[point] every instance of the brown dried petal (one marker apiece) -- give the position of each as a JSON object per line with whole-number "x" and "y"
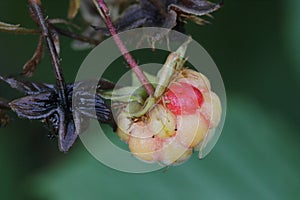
{"x": 31, "y": 65}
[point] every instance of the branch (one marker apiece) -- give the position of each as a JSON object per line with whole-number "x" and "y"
{"x": 75, "y": 36}
{"x": 12, "y": 28}
{"x": 104, "y": 11}
{"x": 38, "y": 16}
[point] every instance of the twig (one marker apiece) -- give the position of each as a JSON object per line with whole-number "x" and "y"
{"x": 75, "y": 36}
{"x": 38, "y": 16}
{"x": 12, "y": 28}
{"x": 104, "y": 11}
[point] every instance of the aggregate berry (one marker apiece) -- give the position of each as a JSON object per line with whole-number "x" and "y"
{"x": 178, "y": 122}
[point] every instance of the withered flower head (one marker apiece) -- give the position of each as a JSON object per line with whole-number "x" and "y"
{"x": 42, "y": 103}
{"x": 170, "y": 14}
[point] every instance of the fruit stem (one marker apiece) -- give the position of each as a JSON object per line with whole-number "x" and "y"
{"x": 104, "y": 11}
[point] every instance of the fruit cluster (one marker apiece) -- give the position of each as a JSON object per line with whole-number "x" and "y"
{"x": 177, "y": 124}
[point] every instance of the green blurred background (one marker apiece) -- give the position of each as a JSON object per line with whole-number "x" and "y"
{"x": 256, "y": 46}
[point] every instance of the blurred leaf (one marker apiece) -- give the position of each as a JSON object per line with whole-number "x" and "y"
{"x": 257, "y": 157}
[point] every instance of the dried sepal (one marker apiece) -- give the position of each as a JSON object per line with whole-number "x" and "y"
{"x": 38, "y": 106}
{"x": 16, "y": 28}
{"x": 31, "y": 65}
{"x": 26, "y": 87}
{"x": 67, "y": 133}
{"x": 42, "y": 103}
{"x": 90, "y": 105}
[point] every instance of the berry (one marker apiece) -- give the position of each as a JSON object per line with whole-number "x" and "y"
{"x": 191, "y": 129}
{"x": 162, "y": 122}
{"x": 183, "y": 98}
{"x": 211, "y": 109}
{"x": 173, "y": 152}
{"x": 145, "y": 148}
{"x": 194, "y": 78}
{"x": 176, "y": 125}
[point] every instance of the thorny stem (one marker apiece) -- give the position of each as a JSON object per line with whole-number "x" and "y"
{"x": 104, "y": 11}
{"x": 38, "y": 16}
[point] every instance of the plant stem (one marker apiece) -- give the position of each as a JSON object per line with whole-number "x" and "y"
{"x": 104, "y": 11}
{"x": 38, "y": 15}
{"x": 75, "y": 36}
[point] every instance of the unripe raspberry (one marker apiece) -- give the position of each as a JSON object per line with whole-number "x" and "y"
{"x": 194, "y": 78}
{"x": 191, "y": 129}
{"x": 211, "y": 109}
{"x": 124, "y": 126}
{"x": 162, "y": 122}
{"x": 182, "y": 98}
{"x": 145, "y": 149}
{"x": 124, "y": 121}
{"x": 178, "y": 121}
{"x": 173, "y": 152}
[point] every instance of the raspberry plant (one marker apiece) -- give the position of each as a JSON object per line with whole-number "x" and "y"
{"x": 166, "y": 126}
{"x": 174, "y": 122}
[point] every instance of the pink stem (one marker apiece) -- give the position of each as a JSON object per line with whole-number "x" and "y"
{"x": 129, "y": 59}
